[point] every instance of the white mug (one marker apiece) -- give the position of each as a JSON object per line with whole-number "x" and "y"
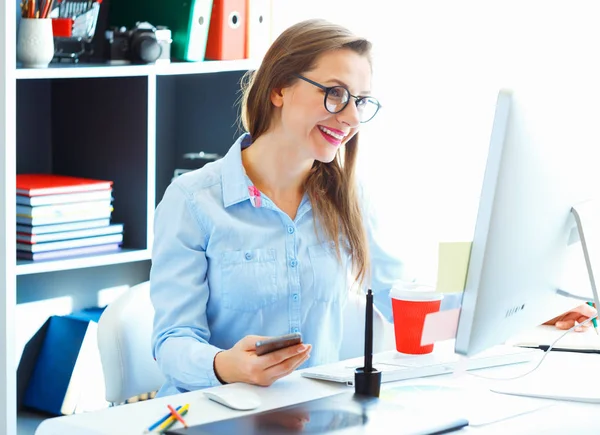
{"x": 35, "y": 42}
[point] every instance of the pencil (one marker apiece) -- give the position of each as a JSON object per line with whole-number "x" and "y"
{"x": 594, "y": 321}
{"x": 159, "y": 422}
{"x": 177, "y": 416}
{"x": 172, "y": 420}
{"x": 47, "y": 8}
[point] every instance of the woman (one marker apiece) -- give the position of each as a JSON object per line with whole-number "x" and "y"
{"x": 269, "y": 239}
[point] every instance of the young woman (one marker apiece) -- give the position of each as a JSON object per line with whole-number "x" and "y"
{"x": 270, "y": 239}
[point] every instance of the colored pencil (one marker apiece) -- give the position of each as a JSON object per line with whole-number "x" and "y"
{"x": 159, "y": 422}
{"x": 176, "y": 415}
{"x": 172, "y": 420}
{"x": 594, "y": 321}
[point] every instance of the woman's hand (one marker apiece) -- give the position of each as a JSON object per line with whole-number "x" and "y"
{"x": 578, "y": 314}
{"x": 241, "y": 364}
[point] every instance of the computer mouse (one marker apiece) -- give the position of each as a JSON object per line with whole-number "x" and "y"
{"x": 235, "y": 398}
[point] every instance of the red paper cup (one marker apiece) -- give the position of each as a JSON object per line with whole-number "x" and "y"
{"x": 410, "y": 306}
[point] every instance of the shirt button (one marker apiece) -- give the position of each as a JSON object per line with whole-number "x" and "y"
{"x": 295, "y": 296}
{"x": 293, "y": 263}
{"x": 291, "y": 230}
{"x": 296, "y": 330}
{"x": 248, "y": 256}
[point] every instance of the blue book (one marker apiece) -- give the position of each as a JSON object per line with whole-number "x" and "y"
{"x": 68, "y": 235}
{"x": 69, "y": 226}
{"x": 69, "y": 253}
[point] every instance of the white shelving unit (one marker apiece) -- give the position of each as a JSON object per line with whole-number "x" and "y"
{"x": 8, "y": 384}
{"x": 126, "y": 123}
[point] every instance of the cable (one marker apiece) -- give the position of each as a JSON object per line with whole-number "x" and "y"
{"x": 541, "y": 359}
{"x": 570, "y": 295}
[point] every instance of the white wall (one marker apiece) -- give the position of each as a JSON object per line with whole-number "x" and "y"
{"x": 437, "y": 68}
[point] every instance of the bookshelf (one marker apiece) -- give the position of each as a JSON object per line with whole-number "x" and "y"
{"x": 127, "y": 123}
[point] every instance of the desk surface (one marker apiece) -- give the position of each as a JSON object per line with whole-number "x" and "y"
{"x": 555, "y": 417}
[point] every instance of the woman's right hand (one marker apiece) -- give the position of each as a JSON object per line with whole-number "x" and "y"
{"x": 241, "y": 364}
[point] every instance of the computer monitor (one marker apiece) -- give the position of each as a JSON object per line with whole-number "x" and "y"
{"x": 541, "y": 162}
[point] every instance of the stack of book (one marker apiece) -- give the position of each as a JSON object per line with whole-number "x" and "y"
{"x": 61, "y": 216}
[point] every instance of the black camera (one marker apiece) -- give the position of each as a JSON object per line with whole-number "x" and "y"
{"x": 142, "y": 44}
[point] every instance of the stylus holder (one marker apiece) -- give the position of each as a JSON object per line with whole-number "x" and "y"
{"x": 367, "y": 383}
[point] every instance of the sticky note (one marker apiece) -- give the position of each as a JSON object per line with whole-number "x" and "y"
{"x": 453, "y": 262}
{"x": 439, "y": 326}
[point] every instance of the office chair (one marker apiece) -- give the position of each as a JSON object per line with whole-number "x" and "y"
{"x": 353, "y": 344}
{"x": 124, "y": 334}
{"x": 125, "y": 328}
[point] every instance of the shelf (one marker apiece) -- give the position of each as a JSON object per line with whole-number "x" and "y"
{"x": 209, "y": 66}
{"x": 70, "y": 71}
{"x": 26, "y": 267}
{"x": 28, "y": 421}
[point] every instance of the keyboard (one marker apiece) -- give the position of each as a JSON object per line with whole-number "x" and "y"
{"x": 395, "y": 366}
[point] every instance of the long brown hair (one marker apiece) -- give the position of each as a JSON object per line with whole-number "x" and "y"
{"x": 331, "y": 187}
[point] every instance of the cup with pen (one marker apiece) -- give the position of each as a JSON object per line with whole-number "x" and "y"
{"x": 35, "y": 42}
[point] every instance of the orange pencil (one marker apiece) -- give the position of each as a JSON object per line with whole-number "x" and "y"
{"x": 47, "y": 8}
{"x": 177, "y": 416}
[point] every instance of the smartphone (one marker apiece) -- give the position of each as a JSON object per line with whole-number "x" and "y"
{"x": 276, "y": 343}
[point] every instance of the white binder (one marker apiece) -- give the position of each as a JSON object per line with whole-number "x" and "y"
{"x": 258, "y": 28}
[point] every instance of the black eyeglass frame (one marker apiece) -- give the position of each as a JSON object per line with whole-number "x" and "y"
{"x": 328, "y": 89}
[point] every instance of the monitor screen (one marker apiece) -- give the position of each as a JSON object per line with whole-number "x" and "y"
{"x": 540, "y": 164}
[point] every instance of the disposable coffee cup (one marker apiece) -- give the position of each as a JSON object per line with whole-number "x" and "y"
{"x": 410, "y": 306}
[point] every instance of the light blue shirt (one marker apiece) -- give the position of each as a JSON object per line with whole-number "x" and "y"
{"x": 227, "y": 262}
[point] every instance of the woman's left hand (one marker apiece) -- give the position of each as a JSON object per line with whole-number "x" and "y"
{"x": 578, "y": 314}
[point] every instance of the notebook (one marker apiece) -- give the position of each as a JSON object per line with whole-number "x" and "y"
{"x": 545, "y": 335}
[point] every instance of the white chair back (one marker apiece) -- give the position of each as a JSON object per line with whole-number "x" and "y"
{"x": 124, "y": 341}
{"x": 353, "y": 339}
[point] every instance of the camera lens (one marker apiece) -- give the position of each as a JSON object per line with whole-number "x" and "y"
{"x": 145, "y": 48}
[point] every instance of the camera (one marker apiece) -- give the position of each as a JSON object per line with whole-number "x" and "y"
{"x": 144, "y": 43}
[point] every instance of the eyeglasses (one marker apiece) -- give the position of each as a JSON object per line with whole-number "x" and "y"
{"x": 337, "y": 98}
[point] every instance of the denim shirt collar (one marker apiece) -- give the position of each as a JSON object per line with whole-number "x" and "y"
{"x": 233, "y": 177}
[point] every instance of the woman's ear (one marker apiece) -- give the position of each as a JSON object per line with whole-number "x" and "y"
{"x": 277, "y": 97}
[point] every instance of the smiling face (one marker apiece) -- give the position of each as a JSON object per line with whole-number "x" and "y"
{"x": 305, "y": 122}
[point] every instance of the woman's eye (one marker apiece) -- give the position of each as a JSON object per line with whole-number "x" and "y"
{"x": 335, "y": 93}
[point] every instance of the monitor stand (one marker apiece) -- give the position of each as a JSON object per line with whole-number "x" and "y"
{"x": 550, "y": 386}
{"x": 587, "y": 217}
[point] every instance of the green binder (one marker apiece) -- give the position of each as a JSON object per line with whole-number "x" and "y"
{"x": 188, "y": 21}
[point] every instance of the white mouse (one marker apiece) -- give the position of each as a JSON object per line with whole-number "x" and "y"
{"x": 234, "y": 398}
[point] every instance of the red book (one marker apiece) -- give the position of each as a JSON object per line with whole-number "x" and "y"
{"x": 50, "y": 184}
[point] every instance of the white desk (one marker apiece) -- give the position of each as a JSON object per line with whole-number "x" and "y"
{"x": 559, "y": 418}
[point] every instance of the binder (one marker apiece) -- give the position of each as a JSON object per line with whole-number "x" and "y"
{"x": 227, "y": 32}
{"x": 65, "y": 373}
{"x": 258, "y": 28}
{"x": 194, "y": 42}
{"x": 188, "y": 20}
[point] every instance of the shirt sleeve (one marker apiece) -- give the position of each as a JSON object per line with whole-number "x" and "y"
{"x": 386, "y": 266}
{"x": 179, "y": 292}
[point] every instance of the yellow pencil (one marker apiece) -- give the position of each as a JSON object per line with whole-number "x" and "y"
{"x": 172, "y": 420}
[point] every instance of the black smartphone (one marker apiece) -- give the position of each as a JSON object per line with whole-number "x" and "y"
{"x": 276, "y": 343}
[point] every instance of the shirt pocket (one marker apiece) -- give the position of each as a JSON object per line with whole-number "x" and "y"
{"x": 249, "y": 279}
{"x": 328, "y": 273}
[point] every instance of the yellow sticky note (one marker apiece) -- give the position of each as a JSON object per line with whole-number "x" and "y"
{"x": 453, "y": 262}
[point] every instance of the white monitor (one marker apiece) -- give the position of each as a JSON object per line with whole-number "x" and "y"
{"x": 541, "y": 162}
